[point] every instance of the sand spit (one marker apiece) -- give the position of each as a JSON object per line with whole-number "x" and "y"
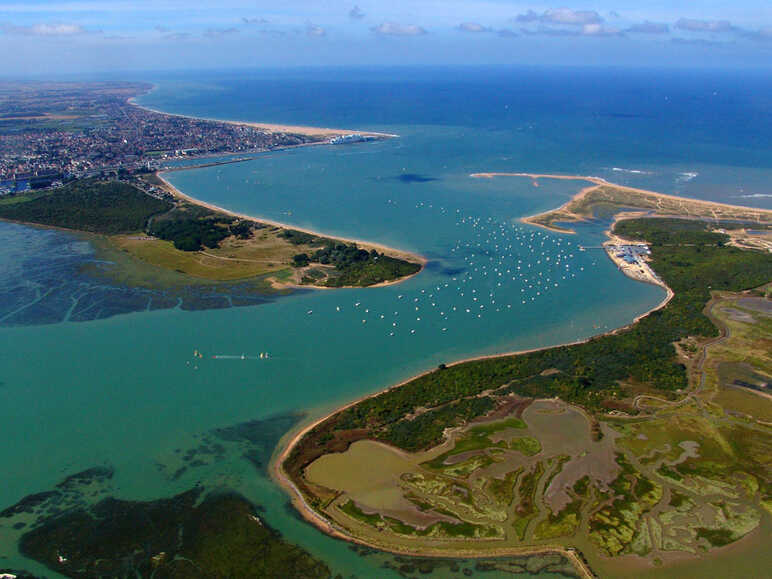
{"x": 650, "y": 203}
{"x": 397, "y": 253}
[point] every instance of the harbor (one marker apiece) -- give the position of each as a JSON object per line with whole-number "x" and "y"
{"x": 632, "y": 259}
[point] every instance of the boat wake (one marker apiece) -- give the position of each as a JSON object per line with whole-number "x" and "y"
{"x": 262, "y": 356}
{"x": 630, "y": 171}
{"x": 685, "y": 177}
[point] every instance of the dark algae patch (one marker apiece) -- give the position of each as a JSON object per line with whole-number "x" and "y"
{"x": 68, "y": 493}
{"x": 414, "y": 178}
{"x": 79, "y": 530}
{"x": 253, "y": 440}
{"x": 259, "y": 437}
{"x": 28, "y": 504}
{"x": 220, "y": 536}
{"x": 94, "y": 474}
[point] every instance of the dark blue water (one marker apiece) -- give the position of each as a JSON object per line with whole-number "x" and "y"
{"x": 120, "y": 389}
{"x": 574, "y": 119}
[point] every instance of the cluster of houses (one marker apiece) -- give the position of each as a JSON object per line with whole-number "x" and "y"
{"x": 632, "y": 254}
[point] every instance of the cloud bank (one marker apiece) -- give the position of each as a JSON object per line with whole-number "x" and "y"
{"x": 396, "y": 29}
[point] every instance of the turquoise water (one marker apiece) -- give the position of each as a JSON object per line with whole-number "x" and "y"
{"x": 125, "y": 390}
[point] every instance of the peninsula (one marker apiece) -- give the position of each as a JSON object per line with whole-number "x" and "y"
{"x": 627, "y": 452}
{"x": 613, "y": 198}
{"x": 84, "y": 157}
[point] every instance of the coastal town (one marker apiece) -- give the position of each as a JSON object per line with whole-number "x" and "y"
{"x": 57, "y": 132}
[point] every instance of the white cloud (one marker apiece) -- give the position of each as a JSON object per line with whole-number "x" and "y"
{"x": 472, "y": 27}
{"x": 315, "y": 31}
{"x": 55, "y": 29}
{"x": 565, "y": 22}
{"x": 599, "y": 30}
{"x": 589, "y": 30}
{"x": 562, "y": 16}
{"x": 395, "y": 29}
{"x": 572, "y": 17}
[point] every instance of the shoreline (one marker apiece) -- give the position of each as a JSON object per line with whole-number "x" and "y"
{"x": 304, "y": 130}
{"x": 301, "y": 130}
{"x": 532, "y": 219}
{"x": 598, "y": 182}
{"x": 389, "y": 251}
{"x": 311, "y": 516}
{"x": 280, "y": 476}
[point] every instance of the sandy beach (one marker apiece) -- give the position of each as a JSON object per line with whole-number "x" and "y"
{"x": 274, "y": 127}
{"x": 707, "y": 209}
{"x": 326, "y": 133}
{"x": 398, "y": 253}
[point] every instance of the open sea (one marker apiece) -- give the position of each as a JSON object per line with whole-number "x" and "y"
{"x": 92, "y": 374}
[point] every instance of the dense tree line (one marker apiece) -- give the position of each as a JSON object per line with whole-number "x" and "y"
{"x": 113, "y": 207}
{"x": 299, "y": 237}
{"x": 690, "y": 258}
{"x": 355, "y": 266}
{"x": 93, "y": 205}
{"x": 194, "y": 228}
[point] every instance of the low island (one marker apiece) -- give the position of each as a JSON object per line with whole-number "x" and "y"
{"x": 642, "y": 449}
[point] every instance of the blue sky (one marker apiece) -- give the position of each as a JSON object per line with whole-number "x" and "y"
{"x": 44, "y": 37}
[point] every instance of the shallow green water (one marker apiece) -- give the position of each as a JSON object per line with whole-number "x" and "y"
{"x": 126, "y": 391}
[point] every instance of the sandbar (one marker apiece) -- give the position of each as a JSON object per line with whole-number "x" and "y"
{"x": 652, "y": 203}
